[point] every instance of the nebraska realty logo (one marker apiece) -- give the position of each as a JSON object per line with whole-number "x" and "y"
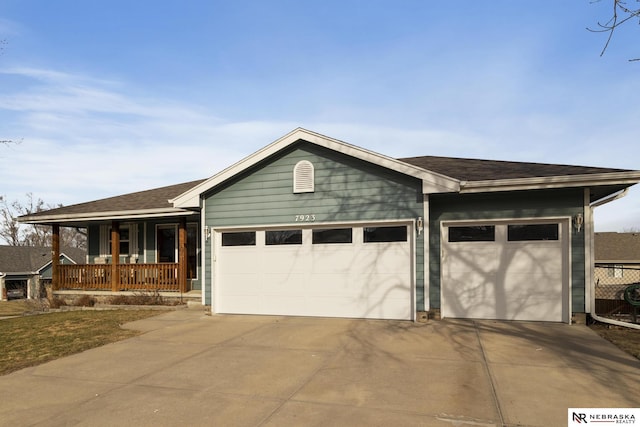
{"x": 602, "y": 416}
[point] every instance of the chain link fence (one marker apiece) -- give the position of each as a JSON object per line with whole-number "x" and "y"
{"x": 611, "y": 281}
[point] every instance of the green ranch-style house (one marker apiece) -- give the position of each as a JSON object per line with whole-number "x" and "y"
{"x": 313, "y": 226}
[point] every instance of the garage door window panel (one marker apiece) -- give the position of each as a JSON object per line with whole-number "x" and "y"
{"x": 385, "y": 234}
{"x": 332, "y": 235}
{"x": 239, "y": 238}
{"x": 532, "y": 232}
{"x": 474, "y": 233}
{"x": 283, "y": 237}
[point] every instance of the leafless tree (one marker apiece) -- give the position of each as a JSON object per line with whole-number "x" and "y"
{"x": 17, "y": 234}
{"x": 621, "y": 14}
{"x": 10, "y": 227}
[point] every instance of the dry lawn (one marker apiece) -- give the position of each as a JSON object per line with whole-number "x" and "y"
{"x": 32, "y": 340}
{"x": 626, "y": 339}
{"x": 18, "y": 307}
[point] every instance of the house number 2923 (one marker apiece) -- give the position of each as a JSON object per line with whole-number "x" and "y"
{"x": 305, "y": 218}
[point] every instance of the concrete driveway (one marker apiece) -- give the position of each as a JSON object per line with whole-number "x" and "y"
{"x": 192, "y": 369}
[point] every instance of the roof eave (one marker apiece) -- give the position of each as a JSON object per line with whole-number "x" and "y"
{"x": 20, "y": 273}
{"x": 563, "y": 181}
{"x": 103, "y": 216}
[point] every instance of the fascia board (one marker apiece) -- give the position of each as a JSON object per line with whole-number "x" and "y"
{"x": 631, "y": 178}
{"x": 618, "y": 261}
{"x": 432, "y": 182}
{"x": 51, "y": 262}
{"x": 44, "y": 266}
{"x": 20, "y": 273}
{"x": 100, "y": 216}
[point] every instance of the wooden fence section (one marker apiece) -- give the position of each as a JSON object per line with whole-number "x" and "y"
{"x": 132, "y": 277}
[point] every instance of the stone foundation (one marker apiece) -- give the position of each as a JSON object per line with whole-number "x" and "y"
{"x": 108, "y": 297}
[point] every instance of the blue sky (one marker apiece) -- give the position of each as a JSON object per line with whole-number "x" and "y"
{"x": 120, "y": 96}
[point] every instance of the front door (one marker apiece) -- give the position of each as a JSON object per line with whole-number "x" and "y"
{"x": 167, "y": 243}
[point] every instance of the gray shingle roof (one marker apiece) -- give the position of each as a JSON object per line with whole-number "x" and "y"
{"x": 156, "y": 198}
{"x": 457, "y": 168}
{"x": 481, "y": 170}
{"x": 14, "y": 259}
{"x": 617, "y": 247}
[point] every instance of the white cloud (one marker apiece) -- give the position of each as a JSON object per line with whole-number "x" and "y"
{"x": 86, "y": 138}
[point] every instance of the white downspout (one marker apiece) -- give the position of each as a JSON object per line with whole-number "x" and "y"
{"x": 590, "y": 209}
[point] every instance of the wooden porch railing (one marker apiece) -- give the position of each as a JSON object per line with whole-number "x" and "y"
{"x": 132, "y": 277}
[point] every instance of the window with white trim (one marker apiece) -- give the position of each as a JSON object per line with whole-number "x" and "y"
{"x": 303, "y": 177}
{"x": 128, "y": 240}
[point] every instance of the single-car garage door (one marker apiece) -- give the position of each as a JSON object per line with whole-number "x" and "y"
{"x": 509, "y": 271}
{"x": 346, "y": 271}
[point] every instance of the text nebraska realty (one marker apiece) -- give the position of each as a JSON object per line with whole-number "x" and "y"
{"x": 603, "y": 418}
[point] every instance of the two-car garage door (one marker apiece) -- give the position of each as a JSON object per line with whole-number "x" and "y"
{"x": 490, "y": 270}
{"x": 347, "y": 271}
{"x": 510, "y": 271}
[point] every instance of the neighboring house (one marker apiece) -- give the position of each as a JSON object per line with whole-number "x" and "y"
{"x": 617, "y": 258}
{"x": 313, "y": 226}
{"x": 25, "y": 269}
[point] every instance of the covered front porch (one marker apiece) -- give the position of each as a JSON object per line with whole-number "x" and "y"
{"x": 111, "y": 274}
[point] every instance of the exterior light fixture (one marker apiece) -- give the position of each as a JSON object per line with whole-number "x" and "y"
{"x": 419, "y": 225}
{"x": 577, "y": 222}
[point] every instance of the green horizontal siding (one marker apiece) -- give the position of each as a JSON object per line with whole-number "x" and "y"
{"x": 494, "y": 206}
{"x": 346, "y": 190}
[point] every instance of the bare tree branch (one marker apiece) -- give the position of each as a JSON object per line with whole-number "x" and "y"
{"x": 10, "y": 141}
{"x": 17, "y": 234}
{"x": 620, "y": 15}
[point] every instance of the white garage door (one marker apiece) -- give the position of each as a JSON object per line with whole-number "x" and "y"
{"x": 506, "y": 271}
{"x": 347, "y": 271}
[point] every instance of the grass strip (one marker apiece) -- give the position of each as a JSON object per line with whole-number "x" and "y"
{"x": 32, "y": 340}
{"x": 18, "y": 307}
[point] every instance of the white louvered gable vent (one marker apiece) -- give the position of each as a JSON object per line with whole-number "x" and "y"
{"x": 303, "y": 177}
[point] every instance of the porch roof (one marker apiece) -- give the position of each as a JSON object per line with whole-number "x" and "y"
{"x": 148, "y": 203}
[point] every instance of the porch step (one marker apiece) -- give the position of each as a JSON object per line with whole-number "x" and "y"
{"x": 194, "y": 300}
{"x": 195, "y": 304}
